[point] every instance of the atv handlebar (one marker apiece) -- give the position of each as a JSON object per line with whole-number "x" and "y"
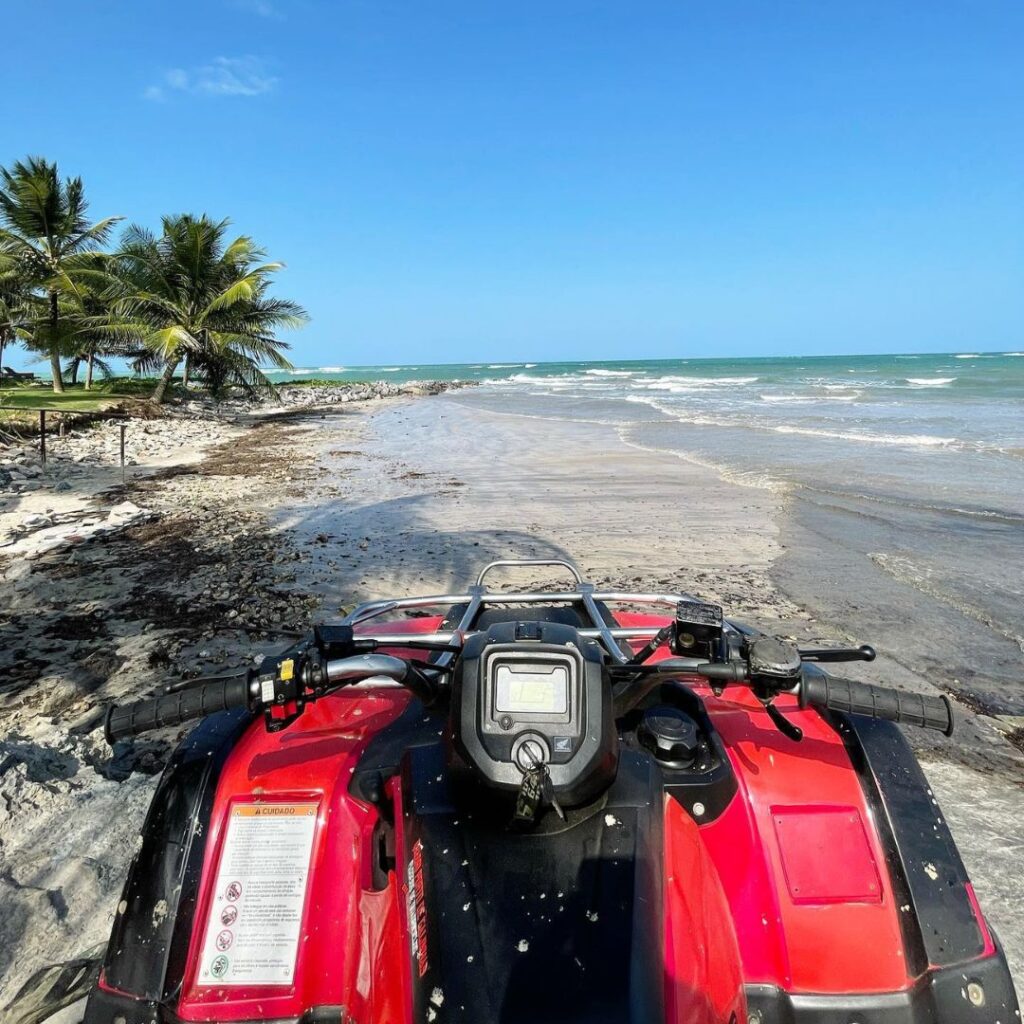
{"x": 174, "y": 708}
{"x": 244, "y": 691}
{"x": 831, "y": 692}
{"x": 877, "y": 702}
{"x": 262, "y": 693}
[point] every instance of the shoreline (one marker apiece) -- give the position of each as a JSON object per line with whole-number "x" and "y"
{"x": 260, "y": 528}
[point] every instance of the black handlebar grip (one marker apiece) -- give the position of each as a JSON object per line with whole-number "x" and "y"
{"x": 175, "y": 708}
{"x": 877, "y": 702}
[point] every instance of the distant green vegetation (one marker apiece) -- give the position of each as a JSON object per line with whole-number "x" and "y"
{"x": 188, "y": 298}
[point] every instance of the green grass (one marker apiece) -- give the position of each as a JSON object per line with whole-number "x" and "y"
{"x": 70, "y": 401}
{"x": 21, "y": 401}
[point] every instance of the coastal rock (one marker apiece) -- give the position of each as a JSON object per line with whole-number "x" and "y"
{"x": 342, "y": 392}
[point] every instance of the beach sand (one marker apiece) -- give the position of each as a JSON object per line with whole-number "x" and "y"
{"x": 296, "y": 519}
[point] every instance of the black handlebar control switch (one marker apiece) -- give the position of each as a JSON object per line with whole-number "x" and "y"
{"x": 670, "y": 735}
{"x": 773, "y": 659}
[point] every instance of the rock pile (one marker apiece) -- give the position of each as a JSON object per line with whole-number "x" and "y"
{"x": 340, "y": 393}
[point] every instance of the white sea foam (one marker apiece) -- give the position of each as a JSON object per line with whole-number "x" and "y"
{"x": 331, "y": 369}
{"x": 673, "y": 382}
{"x": 503, "y": 366}
{"x": 392, "y": 369}
{"x": 968, "y": 355}
{"x": 810, "y": 399}
{"x": 911, "y": 440}
{"x": 930, "y": 382}
{"x": 529, "y": 366}
{"x": 745, "y": 478}
{"x": 745, "y": 423}
{"x": 610, "y": 373}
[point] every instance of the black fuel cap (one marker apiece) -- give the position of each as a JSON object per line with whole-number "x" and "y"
{"x": 671, "y": 735}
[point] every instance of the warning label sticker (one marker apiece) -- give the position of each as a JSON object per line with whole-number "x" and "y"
{"x": 252, "y": 933}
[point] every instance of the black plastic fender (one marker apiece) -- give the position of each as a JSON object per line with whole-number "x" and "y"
{"x": 149, "y": 941}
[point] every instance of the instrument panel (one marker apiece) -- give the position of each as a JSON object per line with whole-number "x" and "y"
{"x": 524, "y": 696}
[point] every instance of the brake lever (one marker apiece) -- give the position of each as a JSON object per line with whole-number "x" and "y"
{"x": 180, "y": 685}
{"x": 825, "y": 654}
{"x": 782, "y": 723}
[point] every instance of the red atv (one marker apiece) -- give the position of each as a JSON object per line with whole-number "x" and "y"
{"x": 546, "y": 807}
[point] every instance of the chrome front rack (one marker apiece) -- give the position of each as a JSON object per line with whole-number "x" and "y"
{"x": 477, "y": 597}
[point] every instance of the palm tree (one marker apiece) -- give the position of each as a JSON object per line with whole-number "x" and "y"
{"x": 189, "y": 294}
{"x": 43, "y": 226}
{"x": 14, "y": 307}
{"x": 90, "y": 342}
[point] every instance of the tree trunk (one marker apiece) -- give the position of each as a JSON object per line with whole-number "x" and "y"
{"x": 55, "y": 372}
{"x": 188, "y": 371}
{"x": 58, "y": 383}
{"x": 88, "y": 372}
{"x": 73, "y": 370}
{"x": 166, "y": 377}
{"x": 3, "y": 345}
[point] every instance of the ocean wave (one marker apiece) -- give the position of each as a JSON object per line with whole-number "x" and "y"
{"x": 757, "y": 479}
{"x": 675, "y": 389}
{"x": 331, "y": 369}
{"x": 893, "y": 384}
{"x": 529, "y": 366}
{"x": 968, "y": 355}
{"x": 1013, "y": 353}
{"x": 810, "y": 399}
{"x": 863, "y": 437}
{"x": 393, "y": 369}
{"x": 503, "y": 366}
{"x": 671, "y": 382}
{"x": 743, "y": 423}
{"x": 609, "y": 373}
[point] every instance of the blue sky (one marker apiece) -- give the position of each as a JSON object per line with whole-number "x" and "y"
{"x": 475, "y": 180}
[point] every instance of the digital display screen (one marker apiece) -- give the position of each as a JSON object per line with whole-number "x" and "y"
{"x": 531, "y": 689}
